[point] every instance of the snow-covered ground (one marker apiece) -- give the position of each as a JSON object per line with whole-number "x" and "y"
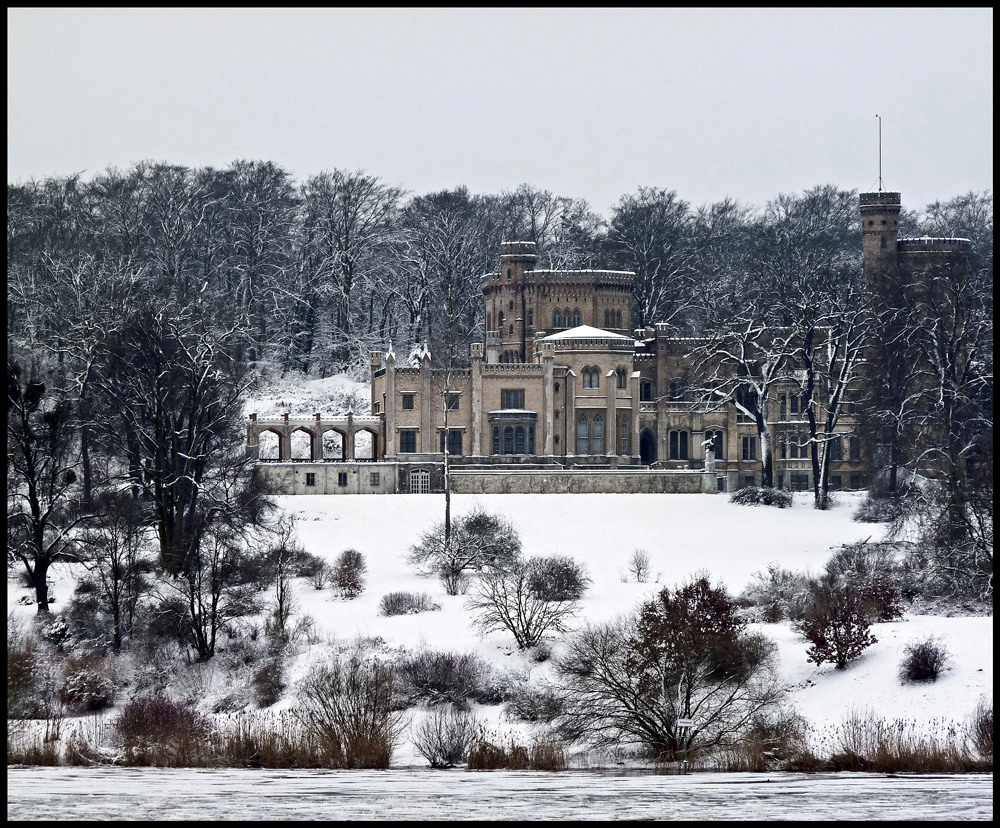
{"x": 683, "y": 535}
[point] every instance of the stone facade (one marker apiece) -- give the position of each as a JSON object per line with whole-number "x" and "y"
{"x": 561, "y": 397}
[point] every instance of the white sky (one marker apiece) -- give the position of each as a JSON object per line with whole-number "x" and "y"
{"x": 588, "y": 103}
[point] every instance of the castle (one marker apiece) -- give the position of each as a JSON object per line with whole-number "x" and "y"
{"x": 563, "y": 396}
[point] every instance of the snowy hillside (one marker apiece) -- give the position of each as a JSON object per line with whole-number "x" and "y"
{"x": 683, "y": 534}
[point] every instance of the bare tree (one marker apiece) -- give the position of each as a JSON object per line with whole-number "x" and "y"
{"x": 504, "y": 599}
{"x": 638, "y": 565}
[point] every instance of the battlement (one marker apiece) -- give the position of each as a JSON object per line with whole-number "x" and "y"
{"x": 517, "y": 248}
{"x": 880, "y": 200}
{"x": 927, "y": 244}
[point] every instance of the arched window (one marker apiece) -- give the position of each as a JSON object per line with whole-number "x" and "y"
{"x": 582, "y": 435}
{"x": 621, "y": 378}
{"x": 623, "y": 435}
{"x": 597, "y": 438}
{"x": 567, "y": 318}
{"x": 557, "y": 319}
{"x": 678, "y": 445}
{"x": 676, "y": 389}
{"x": 531, "y": 318}
{"x": 501, "y": 321}
{"x": 511, "y": 306}
{"x": 607, "y": 319}
{"x": 645, "y": 391}
{"x": 531, "y": 439}
{"x": 576, "y": 318}
{"x": 591, "y": 378}
{"x": 519, "y": 440}
{"x": 496, "y": 439}
{"x": 618, "y": 319}
{"x": 508, "y": 440}
{"x": 508, "y": 273}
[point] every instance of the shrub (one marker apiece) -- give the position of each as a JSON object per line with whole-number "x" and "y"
{"x": 981, "y": 727}
{"x": 769, "y": 743}
{"x": 779, "y": 593}
{"x": 311, "y": 567}
{"x": 346, "y": 705}
{"x": 872, "y": 569}
{"x": 874, "y": 509}
{"x": 477, "y": 540}
{"x": 836, "y": 622}
{"x": 406, "y": 603}
{"x": 269, "y": 682}
{"x": 156, "y": 730}
{"x": 87, "y": 690}
{"x": 489, "y": 752}
{"x": 533, "y": 704}
{"x": 435, "y": 677}
{"x": 444, "y": 736}
{"x": 923, "y": 660}
{"x": 348, "y": 575}
{"x": 763, "y": 496}
{"x": 558, "y": 578}
{"x": 28, "y": 681}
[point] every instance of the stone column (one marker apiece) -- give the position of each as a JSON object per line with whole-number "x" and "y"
{"x": 477, "y": 398}
{"x": 426, "y": 407}
{"x": 316, "y": 442}
{"x": 570, "y": 412}
{"x": 285, "y": 441}
{"x": 634, "y": 441}
{"x": 611, "y": 429}
{"x": 548, "y": 400}
{"x": 349, "y": 443}
{"x": 662, "y": 452}
{"x": 390, "y": 405}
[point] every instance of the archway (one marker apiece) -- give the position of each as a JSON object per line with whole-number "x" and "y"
{"x": 333, "y": 445}
{"x": 301, "y": 441}
{"x": 647, "y": 447}
{"x": 364, "y": 445}
{"x": 268, "y": 445}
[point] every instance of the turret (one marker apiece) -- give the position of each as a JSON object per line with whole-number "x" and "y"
{"x": 879, "y": 233}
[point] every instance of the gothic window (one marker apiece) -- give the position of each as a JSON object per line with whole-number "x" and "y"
{"x": 582, "y": 435}
{"x": 531, "y": 318}
{"x": 531, "y": 439}
{"x": 678, "y": 445}
{"x": 645, "y": 391}
{"x": 576, "y": 318}
{"x": 591, "y": 378}
{"x": 676, "y": 389}
{"x": 623, "y": 434}
{"x": 783, "y": 406}
{"x": 519, "y": 440}
{"x": 607, "y": 319}
{"x": 508, "y": 440}
{"x": 597, "y": 438}
{"x": 621, "y": 378}
{"x": 496, "y": 439}
{"x": 557, "y": 319}
{"x": 567, "y": 318}
{"x": 618, "y": 319}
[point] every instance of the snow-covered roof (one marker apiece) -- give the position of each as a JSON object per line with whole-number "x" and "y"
{"x": 584, "y": 332}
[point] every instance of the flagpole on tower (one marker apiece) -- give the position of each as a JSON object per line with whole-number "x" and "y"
{"x": 879, "y": 151}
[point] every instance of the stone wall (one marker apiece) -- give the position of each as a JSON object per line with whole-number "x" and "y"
{"x": 292, "y": 478}
{"x": 637, "y": 481}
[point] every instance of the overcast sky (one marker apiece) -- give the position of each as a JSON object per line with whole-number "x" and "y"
{"x": 586, "y": 103}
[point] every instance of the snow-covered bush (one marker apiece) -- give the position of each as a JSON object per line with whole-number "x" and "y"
{"x": 156, "y": 730}
{"x": 406, "y": 603}
{"x": 88, "y": 684}
{"x": 558, "y": 578}
{"x": 981, "y": 727}
{"x": 871, "y": 568}
{"x": 923, "y": 660}
{"x": 761, "y": 495}
{"x": 443, "y": 737}
{"x": 533, "y": 704}
{"x": 779, "y": 594}
{"x": 434, "y": 677}
{"x": 348, "y": 573}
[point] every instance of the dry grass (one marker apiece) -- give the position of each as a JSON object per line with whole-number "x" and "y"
{"x": 490, "y": 752}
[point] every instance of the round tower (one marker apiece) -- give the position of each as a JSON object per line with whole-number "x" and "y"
{"x": 879, "y": 234}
